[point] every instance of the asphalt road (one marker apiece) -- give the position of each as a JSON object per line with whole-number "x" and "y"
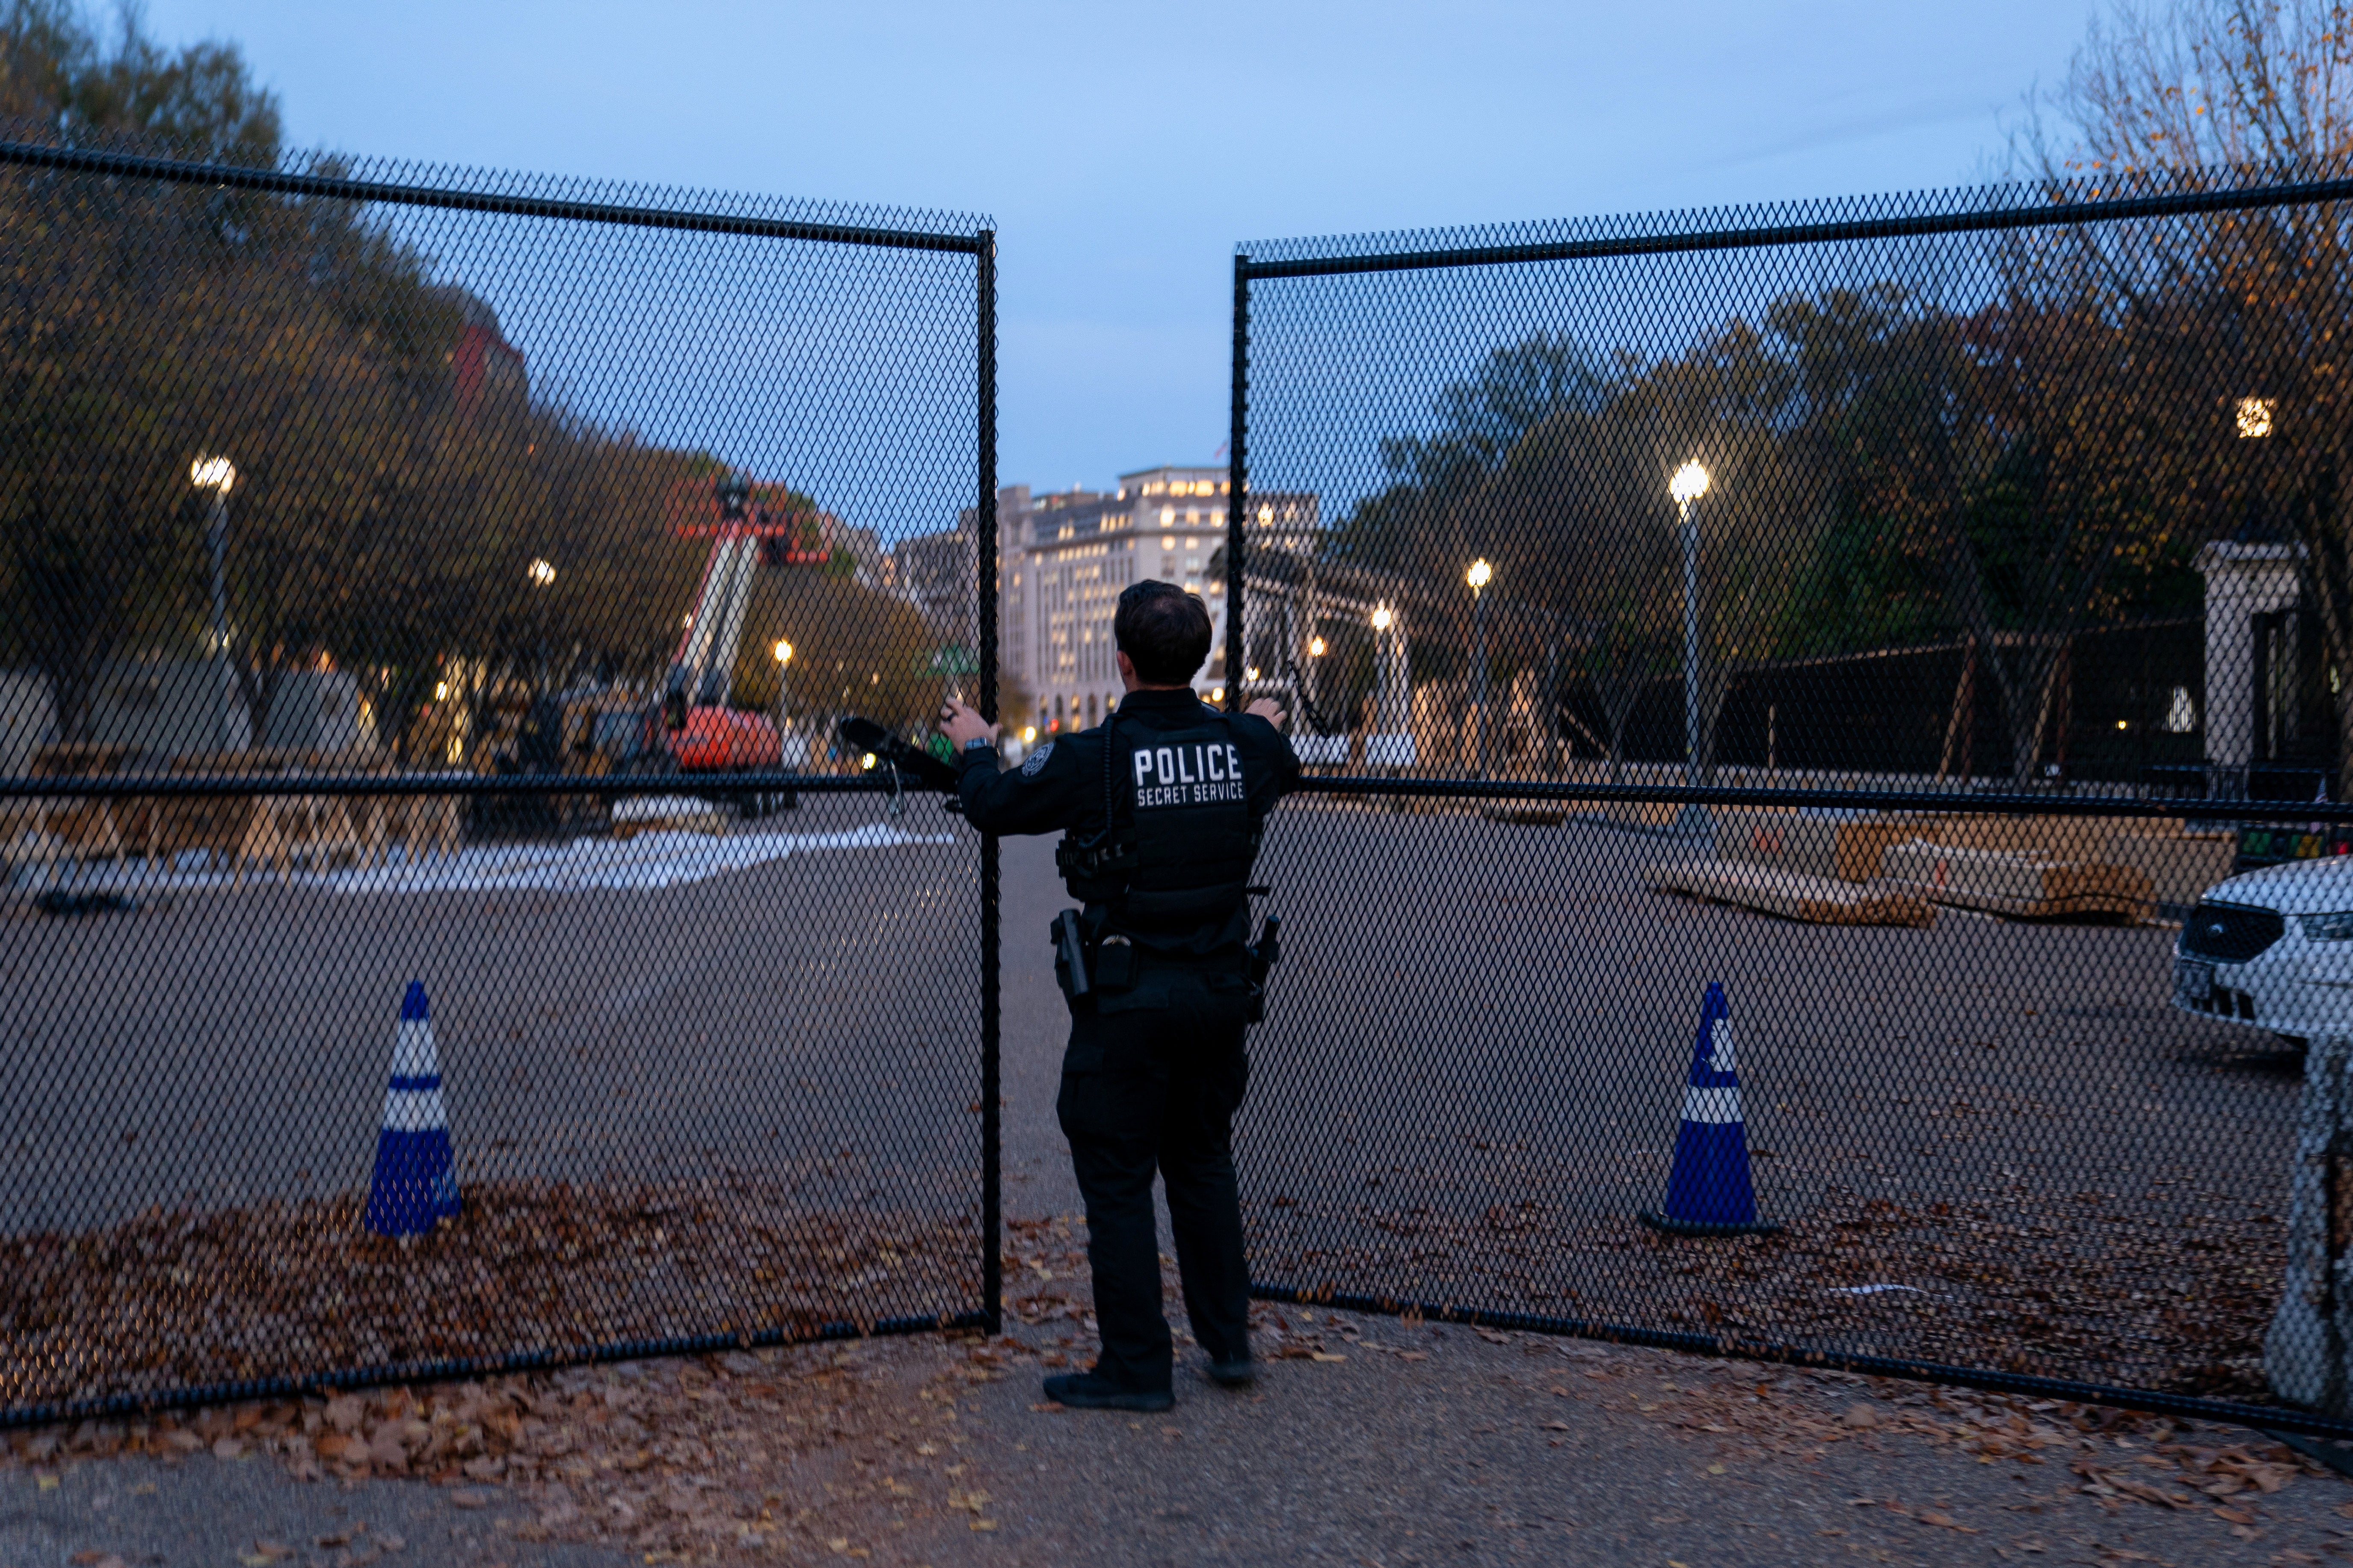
{"x": 216, "y": 1048}
{"x": 1480, "y": 1030}
{"x": 1451, "y": 982}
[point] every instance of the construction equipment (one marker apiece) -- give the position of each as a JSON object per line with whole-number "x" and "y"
{"x": 705, "y": 735}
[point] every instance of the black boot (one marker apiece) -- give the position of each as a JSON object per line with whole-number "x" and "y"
{"x": 1239, "y": 1372}
{"x": 1085, "y": 1391}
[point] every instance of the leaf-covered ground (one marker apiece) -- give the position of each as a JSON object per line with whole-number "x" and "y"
{"x": 1375, "y": 1439}
{"x": 282, "y": 1290}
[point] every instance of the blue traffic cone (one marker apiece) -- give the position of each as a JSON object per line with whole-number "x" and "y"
{"x": 415, "y": 1184}
{"x": 1709, "y": 1192}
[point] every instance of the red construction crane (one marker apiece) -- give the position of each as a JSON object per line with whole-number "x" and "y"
{"x": 705, "y": 735}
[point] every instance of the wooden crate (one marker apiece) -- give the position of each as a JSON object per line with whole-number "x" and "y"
{"x": 1821, "y": 901}
{"x": 2021, "y": 884}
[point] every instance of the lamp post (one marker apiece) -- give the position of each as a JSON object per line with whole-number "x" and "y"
{"x": 1690, "y": 483}
{"x": 542, "y": 574}
{"x": 784, "y": 652}
{"x": 217, "y": 474}
{"x": 1478, "y": 576}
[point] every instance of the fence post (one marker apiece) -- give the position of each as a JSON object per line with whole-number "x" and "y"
{"x": 1236, "y": 476}
{"x": 2305, "y": 1354}
{"x": 992, "y": 1261}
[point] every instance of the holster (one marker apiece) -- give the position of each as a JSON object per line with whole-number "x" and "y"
{"x": 1264, "y": 955}
{"x": 1088, "y": 963}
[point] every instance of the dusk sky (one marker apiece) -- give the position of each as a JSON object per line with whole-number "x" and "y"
{"x": 1123, "y": 150}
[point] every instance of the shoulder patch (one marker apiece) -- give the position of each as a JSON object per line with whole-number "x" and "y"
{"x": 1036, "y": 761}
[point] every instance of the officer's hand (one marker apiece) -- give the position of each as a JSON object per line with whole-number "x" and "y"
{"x": 1265, "y": 708}
{"x": 963, "y": 725}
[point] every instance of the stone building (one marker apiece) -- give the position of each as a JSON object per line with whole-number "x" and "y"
{"x": 1065, "y": 556}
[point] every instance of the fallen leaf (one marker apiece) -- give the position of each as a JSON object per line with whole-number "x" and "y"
{"x": 984, "y": 1524}
{"x": 1943, "y": 1521}
{"x": 229, "y": 1449}
{"x": 839, "y": 1544}
{"x": 2238, "y": 1516}
{"x": 1050, "y": 1406}
{"x": 468, "y": 1498}
{"x": 1557, "y": 1426}
{"x": 1716, "y": 1469}
{"x": 48, "y": 1483}
{"x": 1319, "y": 1355}
{"x": 1413, "y": 1355}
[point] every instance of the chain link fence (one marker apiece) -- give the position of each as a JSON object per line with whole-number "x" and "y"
{"x": 445, "y": 930}
{"x": 1874, "y": 632}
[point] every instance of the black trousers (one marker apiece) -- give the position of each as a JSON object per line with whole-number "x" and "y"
{"x": 1155, "y": 1088}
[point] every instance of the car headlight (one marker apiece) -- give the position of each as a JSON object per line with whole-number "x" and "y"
{"x": 2328, "y": 928}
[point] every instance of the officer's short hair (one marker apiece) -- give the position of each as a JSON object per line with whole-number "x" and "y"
{"x": 1164, "y": 631}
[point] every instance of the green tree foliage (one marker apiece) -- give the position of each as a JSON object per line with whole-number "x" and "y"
{"x": 1885, "y": 470}
{"x": 394, "y": 484}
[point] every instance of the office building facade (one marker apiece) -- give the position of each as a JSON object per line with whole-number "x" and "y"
{"x": 1064, "y": 557}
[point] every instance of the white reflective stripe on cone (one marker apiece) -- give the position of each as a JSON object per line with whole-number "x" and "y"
{"x": 1712, "y": 1105}
{"x": 412, "y": 1050}
{"x": 414, "y": 1111}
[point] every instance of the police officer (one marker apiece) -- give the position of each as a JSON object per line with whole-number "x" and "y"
{"x": 1160, "y": 810}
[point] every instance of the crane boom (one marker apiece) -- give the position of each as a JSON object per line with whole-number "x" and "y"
{"x": 705, "y": 735}
{"x": 704, "y": 668}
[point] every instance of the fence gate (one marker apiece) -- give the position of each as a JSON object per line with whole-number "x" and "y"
{"x": 430, "y": 602}
{"x": 1493, "y": 490}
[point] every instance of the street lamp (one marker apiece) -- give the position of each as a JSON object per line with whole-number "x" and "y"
{"x": 217, "y": 474}
{"x": 784, "y": 652}
{"x": 1690, "y": 483}
{"x": 542, "y": 574}
{"x": 2255, "y": 416}
{"x": 1315, "y": 647}
{"x": 1478, "y": 576}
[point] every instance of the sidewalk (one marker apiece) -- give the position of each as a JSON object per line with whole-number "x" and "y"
{"x": 1369, "y": 1441}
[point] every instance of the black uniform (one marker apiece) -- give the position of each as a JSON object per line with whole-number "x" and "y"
{"x": 1156, "y": 1067}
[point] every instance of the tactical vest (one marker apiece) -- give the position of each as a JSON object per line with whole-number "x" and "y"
{"x": 1176, "y": 852}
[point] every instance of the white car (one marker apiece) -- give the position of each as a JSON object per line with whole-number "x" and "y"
{"x": 2273, "y": 949}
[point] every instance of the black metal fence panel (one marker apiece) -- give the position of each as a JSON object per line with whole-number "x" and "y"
{"x": 445, "y": 927}
{"x": 1797, "y": 703}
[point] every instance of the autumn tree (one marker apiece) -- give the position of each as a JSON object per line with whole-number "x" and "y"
{"x": 2179, "y": 94}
